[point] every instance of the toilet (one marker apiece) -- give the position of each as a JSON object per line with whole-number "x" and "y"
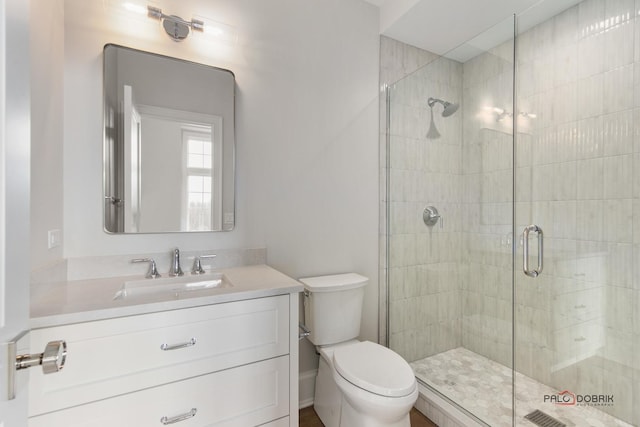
{"x": 359, "y": 383}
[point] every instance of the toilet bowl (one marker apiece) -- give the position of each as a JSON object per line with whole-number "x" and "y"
{"x": 378, "y": 387}
{"x": 359, "y": 384}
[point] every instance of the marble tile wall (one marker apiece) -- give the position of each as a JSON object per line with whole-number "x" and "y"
{"x": 423, "y": 261}
{"x": 577, "y": 172}
{"x": 93, "y": 267}
{"x": 397, "y": 60}
{"x": 487, "y": 195}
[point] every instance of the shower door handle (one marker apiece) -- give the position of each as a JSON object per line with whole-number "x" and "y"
{"x": 525, "y": 251}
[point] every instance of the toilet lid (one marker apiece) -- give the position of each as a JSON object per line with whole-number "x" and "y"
{"x": 375, "y": 368}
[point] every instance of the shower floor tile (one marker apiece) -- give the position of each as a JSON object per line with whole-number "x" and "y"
{"x": 483, "y": 387}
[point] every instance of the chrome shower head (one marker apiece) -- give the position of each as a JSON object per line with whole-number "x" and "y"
{"x": 449, "y": 108}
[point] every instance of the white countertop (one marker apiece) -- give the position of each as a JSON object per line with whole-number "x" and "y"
{"x": 88, "y": 300}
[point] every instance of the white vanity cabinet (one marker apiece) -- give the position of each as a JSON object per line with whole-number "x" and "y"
{"x": 228, "y": 364}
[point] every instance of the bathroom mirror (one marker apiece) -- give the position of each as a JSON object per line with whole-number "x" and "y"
{"x": 169, "y": 144}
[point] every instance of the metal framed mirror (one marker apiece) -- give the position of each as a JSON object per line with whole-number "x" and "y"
{"x": 169, "y": 144}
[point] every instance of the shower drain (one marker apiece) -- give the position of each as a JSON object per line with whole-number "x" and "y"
{"x": 543, "y": 420}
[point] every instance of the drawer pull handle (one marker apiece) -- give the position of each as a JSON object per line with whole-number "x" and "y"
{"x": 167, "y": 347}
{"x": 178, "y": 418}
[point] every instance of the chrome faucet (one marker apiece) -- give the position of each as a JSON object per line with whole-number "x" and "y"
{"x": 197, "y": 264}
{"x": 153, "y": 269}
{"x": 175, "y": 269}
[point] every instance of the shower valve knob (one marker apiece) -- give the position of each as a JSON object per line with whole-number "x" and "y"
{"x": 430, "y": 216}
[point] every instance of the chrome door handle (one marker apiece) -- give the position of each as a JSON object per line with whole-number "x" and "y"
{"x": 525, "y": 251}
{"x": 52, "y": 359}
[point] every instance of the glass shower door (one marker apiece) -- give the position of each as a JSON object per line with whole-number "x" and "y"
{"x": 576, "y": 323}
{"x": 450, "y": 222}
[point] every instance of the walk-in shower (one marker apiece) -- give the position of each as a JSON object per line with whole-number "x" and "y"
{"x": 544, "y": 138}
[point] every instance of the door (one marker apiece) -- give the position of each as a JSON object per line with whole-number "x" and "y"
{"x": 576, "y": 322}
{"x": 132, "y": 162}
{"x": 14, "y": 197}
{"x": 450, "y": 222}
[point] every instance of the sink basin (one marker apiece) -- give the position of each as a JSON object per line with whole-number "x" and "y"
{"x": 176, "y": 286}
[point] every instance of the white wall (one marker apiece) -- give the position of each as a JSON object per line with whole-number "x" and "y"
{"x": 307, "y": 150}
{"x": 88, "y": 27}
{"x": 317, "y": 169}
{"x": 47, "y": 50}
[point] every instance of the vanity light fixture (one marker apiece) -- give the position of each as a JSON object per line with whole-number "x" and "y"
{"x": 177, "y": 28}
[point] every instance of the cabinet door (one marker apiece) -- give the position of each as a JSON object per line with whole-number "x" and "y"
{"x": 249, "y": 395}
{"x": 123, "y": 355}
{"x": 282, "y": 422}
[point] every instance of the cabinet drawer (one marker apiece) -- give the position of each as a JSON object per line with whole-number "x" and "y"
{"x": 246, "y": 396}
{"x": 122, "y": 355}
{"x": 282, "y": 422}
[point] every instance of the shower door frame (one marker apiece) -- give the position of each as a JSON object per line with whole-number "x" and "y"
{"x": 517, "y": 275}
{"x": 385, "y": 318}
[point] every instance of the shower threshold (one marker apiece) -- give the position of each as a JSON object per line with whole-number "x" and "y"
{"x": 483, "y": 387}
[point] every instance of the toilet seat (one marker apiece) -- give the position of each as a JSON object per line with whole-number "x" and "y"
{"x": 374, "y": 368}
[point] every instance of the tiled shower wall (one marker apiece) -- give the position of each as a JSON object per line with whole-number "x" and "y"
{"x": 424, "y": 291}
{"x": 487, "y": 194}
{"x": 577, "y": 325}
{"x": 397, "y": 61}
{"x": 449, "y": 286}
{"x": 577, "y": 176}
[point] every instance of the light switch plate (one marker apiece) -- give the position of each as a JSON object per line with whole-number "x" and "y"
{"x": 54, "y": 239}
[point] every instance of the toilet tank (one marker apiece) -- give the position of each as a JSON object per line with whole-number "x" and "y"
{"x": 333, "y": 307}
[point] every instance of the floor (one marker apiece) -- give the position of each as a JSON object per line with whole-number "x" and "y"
{"x": 483, "y": 387}
{"x": 309, "y": 418}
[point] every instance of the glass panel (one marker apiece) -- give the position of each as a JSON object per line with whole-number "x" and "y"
{"x": 206, "y": 148}
{"x": 195, "y": 184}
{"x": 198, "y": 203}
{"x": 577, "y": 328}
{"x": 450, "y": 283}
{"x": 199, "y": 152}
{"x": 199, "y": 211}
{"x": 194, "y": 161}
{"x": 206, "y": 184}
{"x": 195, "y": 146}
